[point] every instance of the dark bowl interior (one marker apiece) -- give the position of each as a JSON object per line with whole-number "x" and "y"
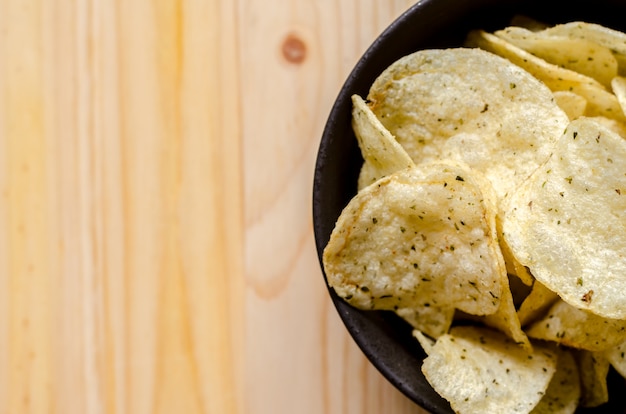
{"x": 384, "y": 338}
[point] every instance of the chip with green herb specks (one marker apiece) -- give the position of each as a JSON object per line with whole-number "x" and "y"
{"x": 617, "y": 358}
{"x": 577, "y": 54}
{"x": 593, "y": 368}
{"x": 567, "y": 222}
{"x": 605, "y": 36}
{"x": 600, "y": 101}
{"x": 433, "y": 321}
{"x": 420, "y": 237}
{"x": 479, "y": 370}
{"x": 563, "y": 393}
{"x": 578, "y": 328}
{"x": 381, "y": 152}
{"x": 471, "y": 106}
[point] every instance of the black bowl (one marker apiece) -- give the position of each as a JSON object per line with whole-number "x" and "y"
{"x": 384, "y": 338}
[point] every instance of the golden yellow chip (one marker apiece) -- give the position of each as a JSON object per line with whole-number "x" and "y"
{"x": 618, "y": 85}
{"x": 426, "y": 342}
{"x": 367, "y": 176}
{"x": 505, "y": 319}
{"x": 577, "y": 328}
{"x": 528, "y": 22}
{"x": 612, "y": 39}
{"x": 579, "y": 55}
{"x": 470, "y": 106}
{"x": 567, "y": 222}
{"x": 571, "y": 103}
{"x": 379, "y": 148}
{"x": 423, "y": 236}
{"x": 433, "y": 321}
{"x": 617, "y": 358}
{"x": 479, "y": 370}
{"x": 616, "y": 126}
{"x": 513, "y": 266}
{"x": 600, "y": 101}
{"x": 536, "y": 303}
{"x": 563, "y": 393}
{"x": 593, "y": 368}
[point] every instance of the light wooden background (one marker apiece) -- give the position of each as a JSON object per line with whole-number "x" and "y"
{"x": 156, "y": 244}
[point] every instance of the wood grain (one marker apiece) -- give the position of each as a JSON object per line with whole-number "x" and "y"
{"x": 156, "y": 244}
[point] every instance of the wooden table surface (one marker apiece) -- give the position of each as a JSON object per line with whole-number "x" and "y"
{"x": 156, "y": 242}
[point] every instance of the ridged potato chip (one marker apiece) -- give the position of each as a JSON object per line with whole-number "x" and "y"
{"x": 479, "y": 370}
{"x": 423, "y": 236}
{"x": 567, "y": 222}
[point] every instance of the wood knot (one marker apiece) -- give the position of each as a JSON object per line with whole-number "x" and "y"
{"x": 294, "y": 49}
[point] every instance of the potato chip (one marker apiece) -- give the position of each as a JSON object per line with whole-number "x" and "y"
{"x": 593, "y": 368}
{"x": 567, "y": 222}
{"x": 420, "y": 237}
{"x": 513, "y": 266}
{"x": 616, "y": 126}
{"x": 618, "y": 85}
{"x": 528, "y": 22}
{"x": 470, "y": 106}
{"x": 368, "y": 175}
{"x": 479, "y": 370}
{"x": 580, "y": 55}
{"x": 505, "y": 319}
{"x": 577, "y": 328}
{"x": 612, "y": 39}
{"x": 379, "y": 148}
{"x": 434, "y": 321}
{"x": 426, "y": 342}
{"x": 571, "y": 103}
{"x": 617, "y": 357}
{"x": 555, "y": 77}
{"x": 600, "y": 102}
{"x": 536, "y": 303}
{"x": 563, "y": 393}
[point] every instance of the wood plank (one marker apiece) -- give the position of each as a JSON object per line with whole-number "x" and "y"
{"x": 156, "y": 244}
{"x": 27, "y": 271}
{"x": 120, "y": 207}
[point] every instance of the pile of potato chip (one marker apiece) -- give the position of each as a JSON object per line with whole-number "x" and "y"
{"x": 491, "y": 214}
